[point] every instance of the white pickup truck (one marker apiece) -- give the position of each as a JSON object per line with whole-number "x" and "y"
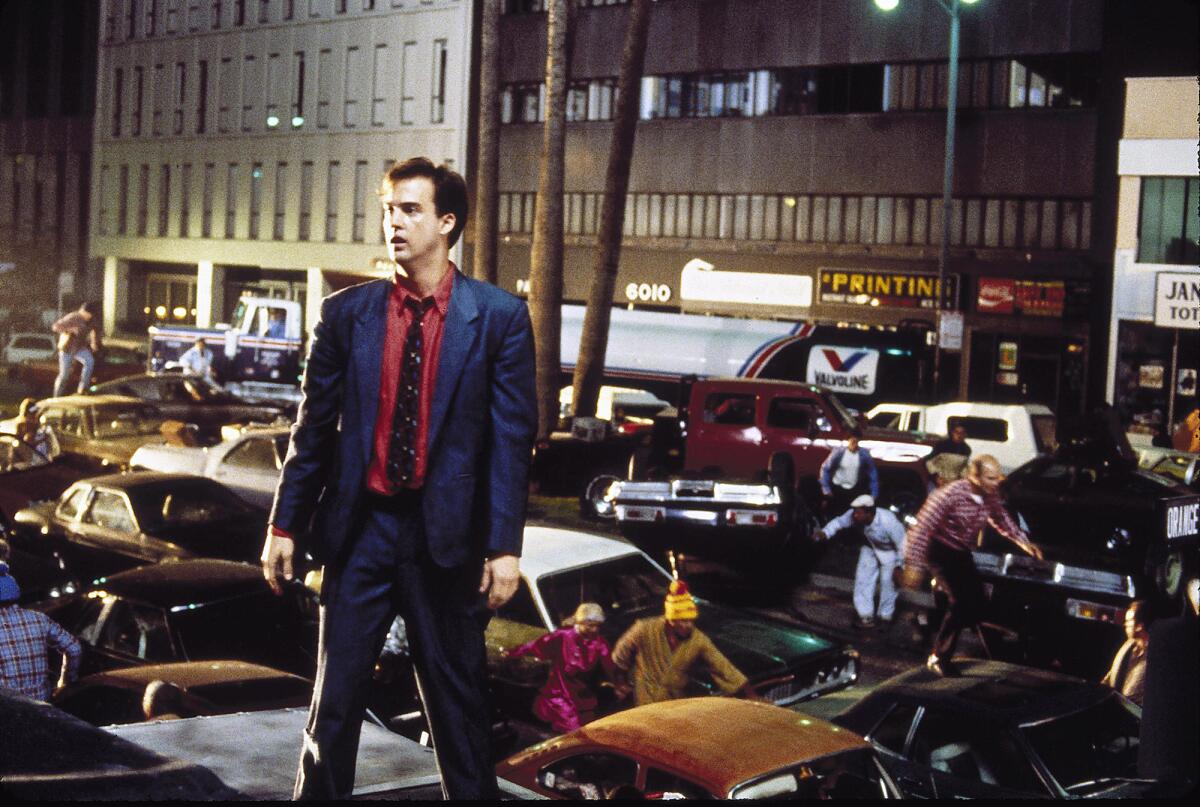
{"x": 249, "y": 463}
{"x": 1012, "y": 433}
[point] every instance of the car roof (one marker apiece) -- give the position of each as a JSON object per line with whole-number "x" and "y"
{"x": 552, "y": 549}
{"x": 1006, "y": 693}
{"x": 720, "y": 742}
{"x": 91, "y": 400}
{"x": 968, "y": 408}
{"x": 138, "y": 479}
{"x": 186, "y": 674}
{"x": 200, "y": 580}
{"x": 759, "y": 384}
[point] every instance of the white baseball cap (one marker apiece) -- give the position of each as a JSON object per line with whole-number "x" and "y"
{"x": 863, "y": 501}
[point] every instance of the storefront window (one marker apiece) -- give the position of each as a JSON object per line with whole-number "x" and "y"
{"x": 1151, "y": 392}
{"x": 1169, "y": 221}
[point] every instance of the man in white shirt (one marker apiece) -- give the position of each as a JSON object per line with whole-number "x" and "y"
{"x": 882, "y": 546}
{"x": 197, "y": 360}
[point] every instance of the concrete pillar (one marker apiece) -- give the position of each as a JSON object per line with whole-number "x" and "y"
{"x": 210, "y": 294}
{"x": 116, "y": 292}
{"x": 317, "y": 290}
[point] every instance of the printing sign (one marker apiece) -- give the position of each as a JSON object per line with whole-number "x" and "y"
{"x": 843, "y": 369}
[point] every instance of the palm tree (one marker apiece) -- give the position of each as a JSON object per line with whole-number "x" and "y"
{"x": 593, "y": 343}
{"x": 546, "y": 254}
{"x": 487, "y": 172}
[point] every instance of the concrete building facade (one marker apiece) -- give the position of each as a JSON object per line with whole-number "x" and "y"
{"x": 804, "y": 138}
{"x": 1154, "y": 347}
{"x": 239, "y": 144}
{"x": 47, "y": 81}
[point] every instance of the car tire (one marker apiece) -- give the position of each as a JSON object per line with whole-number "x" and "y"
{"x": 1170, "y": 578}
{"x": 592, "y": 504}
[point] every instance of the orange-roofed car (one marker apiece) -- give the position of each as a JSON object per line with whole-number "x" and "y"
{"x": 703, "y": 748}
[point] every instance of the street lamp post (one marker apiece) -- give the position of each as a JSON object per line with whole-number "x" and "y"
{"x": 951, "y": 7}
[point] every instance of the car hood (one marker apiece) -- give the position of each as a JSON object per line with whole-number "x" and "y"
{"x": 119, "y": 449}
{"x": 758, "y": 646}
{"x": 237, "y": 538}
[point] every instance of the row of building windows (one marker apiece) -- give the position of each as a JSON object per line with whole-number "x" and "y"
{"x": 39, "y": 201}
{"x": 145, "y": 198}
{"x": 1016, "y": 223}
{"x": 1027, "y": 82}
{"x": 128, "y": 20}
{"x": 1169, "y": 220}
{"x": 257, "y": 95}
{"x": 534, "y": 6}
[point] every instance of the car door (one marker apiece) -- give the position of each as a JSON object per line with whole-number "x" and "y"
{"x": 516, "y": 623}
{"x": 891, "y": 739}
{"x": 725, "y": 435}
{"x": 800, "y": 427}
{"x": 251, "y": 469}
{"x": 130, "y": 633}
{"x": 107, "y": 538}
{"x": 968, "y": 757}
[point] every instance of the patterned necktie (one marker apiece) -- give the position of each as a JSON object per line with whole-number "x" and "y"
{"x": 402, "y": 449}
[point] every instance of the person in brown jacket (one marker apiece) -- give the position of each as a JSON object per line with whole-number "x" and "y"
{"x": 78, "y": 341}
{"x": 662, "y": 652}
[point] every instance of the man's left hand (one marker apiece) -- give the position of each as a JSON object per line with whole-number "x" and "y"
{"x": 1033, "y": 550}
{"x": 500, "y": 577}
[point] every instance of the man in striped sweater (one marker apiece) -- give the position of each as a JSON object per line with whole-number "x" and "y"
{"x": 942, "y": 539}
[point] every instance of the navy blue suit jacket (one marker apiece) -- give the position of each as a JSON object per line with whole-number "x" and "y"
{"x": 482, "y": 425}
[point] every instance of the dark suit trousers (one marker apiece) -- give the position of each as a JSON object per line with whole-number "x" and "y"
{"x": 387, "y": 571}
{"x": 959, "y": 579}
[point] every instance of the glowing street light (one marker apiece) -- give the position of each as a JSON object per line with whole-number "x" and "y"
{"x": 951, "y": 7}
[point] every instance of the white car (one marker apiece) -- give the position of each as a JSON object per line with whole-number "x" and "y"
{"x": 1012, "y": 433}
{"x": 248, "y": 464}
{"x": 23, "y": 345}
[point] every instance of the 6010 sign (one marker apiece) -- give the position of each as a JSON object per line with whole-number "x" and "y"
{"x": 648, "y": 293}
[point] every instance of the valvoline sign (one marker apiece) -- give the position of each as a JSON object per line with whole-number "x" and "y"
{"x": 843, "y": 369}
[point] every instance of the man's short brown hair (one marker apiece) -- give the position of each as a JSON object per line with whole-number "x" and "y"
{"x": 449, "y": 189}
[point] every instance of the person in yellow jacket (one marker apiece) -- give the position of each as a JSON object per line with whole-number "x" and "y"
{"x": 662, "y": 652}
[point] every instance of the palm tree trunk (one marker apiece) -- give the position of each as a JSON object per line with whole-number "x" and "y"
{"x": 546, "y": 254}
{"x": 487, "y": 172}
{"x": 593, "y": 343}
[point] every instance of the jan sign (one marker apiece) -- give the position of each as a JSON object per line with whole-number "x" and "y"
{"x": 1177, "y": 300}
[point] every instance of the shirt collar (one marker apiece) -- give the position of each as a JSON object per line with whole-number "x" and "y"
{"x": 403, "y": 289}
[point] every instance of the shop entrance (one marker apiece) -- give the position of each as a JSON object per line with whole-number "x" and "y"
{"x": 1027, "y": 368}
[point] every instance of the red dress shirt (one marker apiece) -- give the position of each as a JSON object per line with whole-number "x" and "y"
{"x": 399, "y": 317}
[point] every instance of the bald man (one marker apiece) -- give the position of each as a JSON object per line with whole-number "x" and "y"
{"x": 942, "y": 540}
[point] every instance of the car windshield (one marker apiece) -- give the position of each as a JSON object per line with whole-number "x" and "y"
{"x": 1097, "y": 743}
{"x": 125, "y": 421}
{"x": 187, "y": 503}
{"x": 628, "y": 588}
{"x": 205, "y": 391}
{"x": 848, "y": 775}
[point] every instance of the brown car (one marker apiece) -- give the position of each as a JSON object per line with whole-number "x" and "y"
{"x": 703, "y": 748}
{"x": 102, "y": 431}
{"x": 208, "y": 688}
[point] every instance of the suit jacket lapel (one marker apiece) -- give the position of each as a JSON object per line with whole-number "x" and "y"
{"x": 458, "y": 340}
{"x": 369, "y": 337}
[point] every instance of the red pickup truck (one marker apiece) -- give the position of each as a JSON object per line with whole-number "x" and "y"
{"x": 742, "y": 456}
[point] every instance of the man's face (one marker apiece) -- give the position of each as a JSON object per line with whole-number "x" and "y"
{"x": 852, "y": 444}
{"x": 958, "y": 434}
{"x": 413, "y": 229}
{"x": 681, "y": 628}
{"x": 989, "y": 479}
{"x": 1133, "y": 628}
{"x": 863, "y": 515}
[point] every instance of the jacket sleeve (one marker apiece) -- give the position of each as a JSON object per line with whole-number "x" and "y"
{"x": 314, "y": 436}
{"x": 513, "y": 427}
{"x": 872, "y": 472}
{"x": 538, "y": 648}
{"x": 929, "y": 519}
{"x": 62, "y": 641}
{"x": 827, "y": 467}
{"x": 726, "y": 676}
{"x": 625, "y": 651}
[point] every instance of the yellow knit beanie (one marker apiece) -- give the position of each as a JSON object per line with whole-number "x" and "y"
{"x": 679, "y": 603}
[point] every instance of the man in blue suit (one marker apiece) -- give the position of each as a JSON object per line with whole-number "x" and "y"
{"x": 407, "y": 478}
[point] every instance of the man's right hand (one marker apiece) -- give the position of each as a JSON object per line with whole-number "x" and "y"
{"x": 277, "y": 555}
